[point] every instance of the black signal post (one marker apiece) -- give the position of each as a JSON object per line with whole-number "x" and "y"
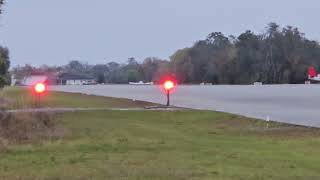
{"x": 39, "y": 89}
{"x": 168, "y": 86}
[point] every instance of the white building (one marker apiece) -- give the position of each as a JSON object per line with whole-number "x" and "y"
{"x": 33, "y": 79}
{"x": 37, "y": 78}
{"x": 72, "y": 79}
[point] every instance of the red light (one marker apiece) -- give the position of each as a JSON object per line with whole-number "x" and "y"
{"x": 168, "y": 85}
{"x": 312, "y": 72}
{"x": 40, "y": 88}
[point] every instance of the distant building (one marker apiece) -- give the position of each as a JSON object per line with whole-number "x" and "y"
{"x": 33, "y": 79}
{"x": 62, "y": 79}
{"x": 73, "y": 79}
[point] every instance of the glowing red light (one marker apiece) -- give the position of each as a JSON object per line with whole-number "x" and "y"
{"x": 168, "y": 85}
{"x": 312, "y": 72}
{"x": 40, "y": 88}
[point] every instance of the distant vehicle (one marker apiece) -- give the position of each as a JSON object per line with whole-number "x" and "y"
{"x": 141, "y": 83}
{"x": 206, "y": 84}
{"x": 89, "y": 82}
{"x": 313, "y": 75}
{"x": 257, "y": 83}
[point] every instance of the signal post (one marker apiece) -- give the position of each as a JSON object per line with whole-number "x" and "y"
{"x": 39, "y": 89}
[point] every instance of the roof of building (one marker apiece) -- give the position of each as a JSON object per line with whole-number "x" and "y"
{"x": 31, "y": 80}
{"x": 68, "y": 76}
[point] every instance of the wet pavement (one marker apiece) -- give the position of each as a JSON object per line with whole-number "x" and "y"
{"x": 295, "y": 104}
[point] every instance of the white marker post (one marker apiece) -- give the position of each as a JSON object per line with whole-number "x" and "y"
{"x": 268, "y": 120}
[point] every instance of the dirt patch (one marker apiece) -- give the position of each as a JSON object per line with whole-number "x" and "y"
{"x": 19, "y": 128}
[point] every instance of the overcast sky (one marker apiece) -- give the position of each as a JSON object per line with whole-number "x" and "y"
{"x": 98, "y": 31}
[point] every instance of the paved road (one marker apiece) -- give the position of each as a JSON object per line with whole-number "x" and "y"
{"x": 35, "y": 110}
{"x": 295, "y": 104}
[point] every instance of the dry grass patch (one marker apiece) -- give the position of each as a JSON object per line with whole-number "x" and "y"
{"x": 275, "y": 130}
{"x": 4, "y": 103}
{"x": 289, "y": 132}
{"x": 19, "y": 128}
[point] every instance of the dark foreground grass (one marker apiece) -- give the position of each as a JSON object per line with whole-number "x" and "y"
{"x": 167, "y": 145}
{"x": 19, "y": 97}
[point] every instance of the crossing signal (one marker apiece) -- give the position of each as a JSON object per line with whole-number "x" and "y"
{"x": 169, "y": 84}
{"x": 39, "y": 89}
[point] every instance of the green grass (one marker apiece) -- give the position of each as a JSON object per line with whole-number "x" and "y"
{"x": 18, "y": 98}
{"x": 168, "y": 145}
{"x": 158, "y": 145}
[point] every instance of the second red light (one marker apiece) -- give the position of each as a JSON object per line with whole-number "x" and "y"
{"x": 168, "y": 85}
{"x": 40, "y": 88}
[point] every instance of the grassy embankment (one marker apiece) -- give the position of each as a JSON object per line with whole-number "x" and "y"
{"x": 17, "y": 98}
{"x": 166, "y": 145}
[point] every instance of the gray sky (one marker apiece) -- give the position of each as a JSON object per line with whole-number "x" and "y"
{"x": 98, "y": 31}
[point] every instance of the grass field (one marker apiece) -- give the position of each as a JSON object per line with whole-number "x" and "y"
{"x": 17, "y": 98}
{"x": 167, "y": 145}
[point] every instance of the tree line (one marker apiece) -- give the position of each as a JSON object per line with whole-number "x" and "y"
{"x": 150, "y": 70}
{"x": 4, "y": 60}
{"x": 279, "y": 55}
